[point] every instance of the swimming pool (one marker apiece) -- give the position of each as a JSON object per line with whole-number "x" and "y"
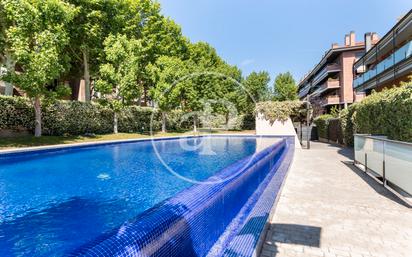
{"x": 76, "y": 200}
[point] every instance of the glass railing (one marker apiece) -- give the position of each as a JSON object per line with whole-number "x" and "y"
{"x": 401, "y": 54}
{"x": 389, "y": 159}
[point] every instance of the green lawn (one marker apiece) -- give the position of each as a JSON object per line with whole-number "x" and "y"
{"x": 29, "y": 141}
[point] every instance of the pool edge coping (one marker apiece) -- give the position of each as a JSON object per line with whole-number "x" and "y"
{"x": 262, "y": 238}
{"x": 103, "y": 142}
{"x": 116, "y": 141}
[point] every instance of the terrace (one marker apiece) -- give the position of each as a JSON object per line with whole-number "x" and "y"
{"x": 335, "y": 209}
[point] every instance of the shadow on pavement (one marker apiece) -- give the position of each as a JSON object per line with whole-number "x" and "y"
{"x": 296, "y": 234}
{"x": 375, "y": 185}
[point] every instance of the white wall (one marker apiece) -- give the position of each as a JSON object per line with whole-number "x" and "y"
{"x": 278, "y": 128}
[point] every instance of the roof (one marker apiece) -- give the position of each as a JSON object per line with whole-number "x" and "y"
{"x": 386, "y": 36}
{"x": 332, "y": 52}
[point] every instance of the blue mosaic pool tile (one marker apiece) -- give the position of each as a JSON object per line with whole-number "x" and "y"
{"x": 226, "y": 217}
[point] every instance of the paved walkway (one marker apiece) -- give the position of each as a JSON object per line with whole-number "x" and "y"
{"x": 329, "y": 208}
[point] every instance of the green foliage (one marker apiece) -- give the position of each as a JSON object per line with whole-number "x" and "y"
{"x": 386, "y": 113}
{"x": 256, "y": 90}
{"x": 245, "y": 121}
{"x": 285, "y": 87}
{"x": 169, "y": 74}
{"x": 275, "y": 110}
{"x": 16, "y": 113}
{"x": 334, "y": 111}
{"x": 137, "y": 119}
{"x": 119, "y": 81}
{"x": 346, "y": 121}
{"x": 322, "y": 123}
{"x": 78, "y": 118}
{"x": 37, "y": 38}
{"x": 128, "y": 51}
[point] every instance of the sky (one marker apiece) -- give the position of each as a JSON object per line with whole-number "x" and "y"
{"x": 279, "y": 36}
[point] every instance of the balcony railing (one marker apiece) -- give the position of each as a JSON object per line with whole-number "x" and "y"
{"x": 329, "y": 84}
{"x": 304, "y": 91}
{"x": 389, "y": 159}
{"x": 399, "y": 55}
{"x": 331, "y": 99}
{"x": 333, "y": 67}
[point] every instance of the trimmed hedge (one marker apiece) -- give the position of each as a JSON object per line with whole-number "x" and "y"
{"x": 76, "y": 118}
{"x": 79, "y": 118}
{"x": 16, "y": 113}
{"x": 322, "y": 123}
{"x": 386, "y": 113}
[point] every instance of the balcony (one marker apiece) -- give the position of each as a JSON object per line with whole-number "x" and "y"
{"x": 398, "y": 56}
{"x": 323, "y": 74}
{"x": 304, "y": 91}
{"x": 331, "y": 100}
{"x": 327, "y": 86}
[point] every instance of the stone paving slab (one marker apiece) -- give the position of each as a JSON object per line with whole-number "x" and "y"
{"x": 330, "y": 208}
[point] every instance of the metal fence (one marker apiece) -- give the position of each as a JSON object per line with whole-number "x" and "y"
{"x": 390, "y": 159}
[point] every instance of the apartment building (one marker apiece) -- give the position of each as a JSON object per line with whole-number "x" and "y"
{"x": 388, "y": 62}
{"x": 330, "y": 82}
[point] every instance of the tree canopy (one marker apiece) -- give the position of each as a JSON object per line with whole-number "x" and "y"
{"x": 127, "y": 53}
{"x": 285, "y": 87}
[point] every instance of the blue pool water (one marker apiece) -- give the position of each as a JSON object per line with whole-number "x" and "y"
{"x": 51, "y": 203}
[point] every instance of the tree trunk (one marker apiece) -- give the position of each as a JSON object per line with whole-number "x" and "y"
{"x": 227, "y": 120}
{"x": 37, "y": 112}
{"x": 115, "y": 123}
{"x": 8, "y": 88}
{"x": 163, "y": 122}
{"x": 9, "y": 63}
{"x": 86, "y": 75}
{"x": 144, "y": 104}
{"x": 195, "y": 123}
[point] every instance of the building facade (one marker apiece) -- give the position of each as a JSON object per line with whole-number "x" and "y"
{"x": 330, "y": 82}
{"x": 387, "y": 63}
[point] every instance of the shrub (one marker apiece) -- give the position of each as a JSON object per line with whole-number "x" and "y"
{"x": 346, "y": 121}
{"x": 16, "y": 113}
{"x": 335, "y": 133}
{"x": 137, "y": 119}
{"x": 274, "y": 110}
{"x": 76, "y": 118}
{"x": 245, "y": 121}
{"x": 321, "y": 123}
{"x": 79, "y": 118}
{"x": 387, "y": 113}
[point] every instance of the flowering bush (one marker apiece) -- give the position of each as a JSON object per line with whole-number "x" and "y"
{"x": 279, "y": 110}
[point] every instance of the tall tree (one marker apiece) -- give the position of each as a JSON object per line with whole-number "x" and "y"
{"x": 285, "y": 87}
{"x": 228, "y": 91}
{"x": 119, "y": 74}
{"x": 256, "y": 89}
{"x": 169, "y": 75}
{"x": 160, "y": 36}
{"x": 36, "y": 40}
{"x": 7, "y": 62}
{"x": 201, "y": 87}
{"x": 88, "y": 31}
